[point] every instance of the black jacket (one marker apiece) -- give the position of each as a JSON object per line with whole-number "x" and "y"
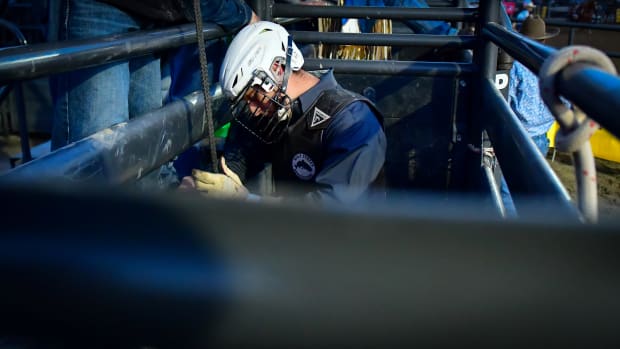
{"x": 230, "y": 14}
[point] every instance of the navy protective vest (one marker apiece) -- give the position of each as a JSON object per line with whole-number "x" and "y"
{"x": 299, "y": 156}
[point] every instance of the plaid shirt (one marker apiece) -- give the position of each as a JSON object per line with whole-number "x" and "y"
{"x": 525, "y": 100}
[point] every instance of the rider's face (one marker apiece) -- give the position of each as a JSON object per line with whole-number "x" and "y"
{"x": 260, "y": 101}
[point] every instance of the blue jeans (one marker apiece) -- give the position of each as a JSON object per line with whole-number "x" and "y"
{"x": 418, "y": 26}
{"x": 184, "y": 70}
{"x": 89, "y": 100}
{"x": 542, "y": 143}
{"x": 423, "y": 26}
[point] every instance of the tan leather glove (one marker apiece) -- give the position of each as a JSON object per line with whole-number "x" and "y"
{"x": 226, "y": 185}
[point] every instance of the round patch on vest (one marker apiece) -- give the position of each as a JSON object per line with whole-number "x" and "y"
{"x": 303, "y": 166}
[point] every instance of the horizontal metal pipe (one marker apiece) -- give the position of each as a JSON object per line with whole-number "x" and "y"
{"x": 602, "y": 100}
{"x": 412, "y": 40}
{"x": 446, "y": 14}
{"x": 526, "y": 171}
{"x": 124, "y": 152}
{"x": 392, "y": 67}
{"x": 56, "y": 57}
{"x": 530, "y": 53}
{"x": 565, "y": 23}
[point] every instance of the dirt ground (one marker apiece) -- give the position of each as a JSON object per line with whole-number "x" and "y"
{"x": 608, "y": 176}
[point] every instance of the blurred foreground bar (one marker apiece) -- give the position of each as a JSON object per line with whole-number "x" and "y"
{"x": 181, "y": 271}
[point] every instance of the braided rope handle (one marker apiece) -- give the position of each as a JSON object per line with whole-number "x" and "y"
{"x": 575, "y": 127}
{"x": 204, "y": 79}
{"x": 572, "y": 122}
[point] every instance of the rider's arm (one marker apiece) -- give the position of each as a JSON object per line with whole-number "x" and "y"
{"x": 355, "y": 147}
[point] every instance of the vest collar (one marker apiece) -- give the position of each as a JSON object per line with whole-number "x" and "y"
{"x": 327, "y": 81}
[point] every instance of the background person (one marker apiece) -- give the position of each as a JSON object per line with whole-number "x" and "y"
{"x": 89, "y": 100}
{"x": 523, "y": 92}
{"x": 526, "y": 11}
{"x": 525, "y": 101}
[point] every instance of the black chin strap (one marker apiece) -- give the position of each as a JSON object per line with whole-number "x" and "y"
{"x": 204, "y": 76}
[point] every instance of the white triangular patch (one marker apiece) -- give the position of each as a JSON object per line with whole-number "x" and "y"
{"x": 319, "y": 117}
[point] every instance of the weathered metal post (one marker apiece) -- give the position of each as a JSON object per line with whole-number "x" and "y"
{"x": 485, "y": 57}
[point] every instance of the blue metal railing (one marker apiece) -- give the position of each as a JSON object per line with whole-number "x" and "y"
{"x": 603, "y": 108}
{"x": 39, "y": 60}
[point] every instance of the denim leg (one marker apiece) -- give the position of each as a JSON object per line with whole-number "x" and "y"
{"x": 144, "y": 85}
{"x": 89, "y": 100}
{"x": 144, "y": 96}
{"x": 509, "y": 205}
{"x": 185, "y": 68}
{"x": 230, "y": 14}
{"x": 422, "y": 26}
{"x": 542, "y": 143}
{"x": 184, "y": 71}
{"x": 97, "y": 100}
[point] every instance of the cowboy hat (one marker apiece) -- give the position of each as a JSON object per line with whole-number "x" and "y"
{"x": 534, "y": 28}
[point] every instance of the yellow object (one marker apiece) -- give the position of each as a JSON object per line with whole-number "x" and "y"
{"x": 618, "y": 15}
{"x": 604, "y": 144}
{"x": 356, "y": 52}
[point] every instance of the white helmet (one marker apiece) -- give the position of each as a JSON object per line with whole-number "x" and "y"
{"x": 256, "y": 48}
{"x": 255, "y": 60}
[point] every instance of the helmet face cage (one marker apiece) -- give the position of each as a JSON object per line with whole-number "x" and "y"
{"x": 262, "y": 109}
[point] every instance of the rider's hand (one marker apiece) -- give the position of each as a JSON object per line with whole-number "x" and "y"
{"x": 226, "y": 185}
